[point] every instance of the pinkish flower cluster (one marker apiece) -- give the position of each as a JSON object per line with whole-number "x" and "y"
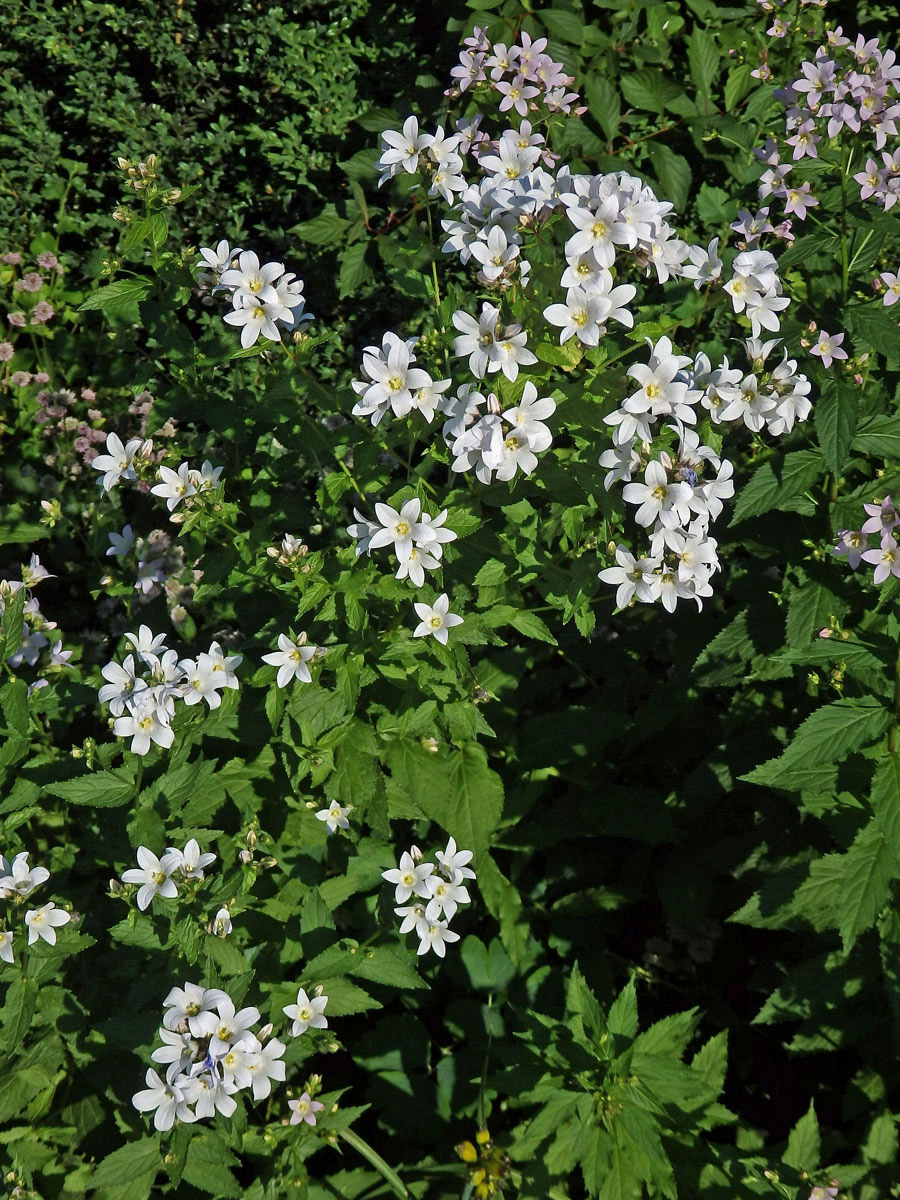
{"x": 854, "y": 545}
{"x": 847, "y": 86}
{"x": 524, "y": 74}
{"x": 23, "y": 378}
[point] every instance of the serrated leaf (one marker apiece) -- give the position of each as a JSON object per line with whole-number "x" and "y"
{"x": 738, "y": 84}
{"x": 354, "y": 269}
{"x": 703, "y": 59}
{"x": 563, "y": 24}
{"x": 780, "y": 485}
{"x": 673, "y": 172}
{"x": 532, "y": 626}
{"x": 18, "y": 1012}
{"x": 828, "y": 735}
{"x": 117, "y": 296}
{"x": 880, "y": 436}
{"x": 836, "y": 413}
{"x": 13, "y": 624}
{"x": 603, "y": 104}
{"x": 100, "y": 789}
{"x": 134, "y": 1161}
{"x": 803, "y": 1147}
{"x": 326, "y": 228}
{"x": 649, "y": 89}
{"x": 622, "y": 1018}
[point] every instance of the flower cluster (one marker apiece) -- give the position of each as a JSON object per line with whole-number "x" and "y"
{"x": 143, "y": 690}
{"x": 882, "y": 523}
{"x": 490, "y": 345}
{"x": 161, "y": 876}
{"x": 442, "y": 892}
{"x": 261, "y": 295}
{"x": 755, "y": 290}
{"x": 495, "y": 442}
{"x": 393, "y": 384}
{"x": 210, "y": 1053}
{"x": 159, "y": 565}
{"x": 35, "y": 626}
{"x": 852, "y": 86}
{"x": 416, "y": 538}
{"x": 17, "y": 882}
{"x": 523, "y": 74}
{"x": 680, "y": 495}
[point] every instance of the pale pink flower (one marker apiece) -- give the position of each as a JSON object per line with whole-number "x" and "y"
{"x": 828, "y": 347}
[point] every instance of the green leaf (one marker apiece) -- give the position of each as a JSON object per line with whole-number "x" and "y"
{"x": 711, "y": 1061}
{"x": 738, "y": 84}
{"x": 875, "y": 327}
{"x": 780, "y": 484}
{"x": 603, "y": 103}
{"x": 13, "y": 624}
{"x": 673, "y": 172}
{"x": 649, "y": 89}
{"x": 354, "y": 269}
{"x": 118, "y": 296}
{"x": 532, "y": 626}
{"x": 803, "y": 1143}
{"x": 100, "y": 789}
{"x": 206, "y": 1167}
{"x": 14, "y": 703}
{"x": 18, "y": 1012}
{"x": 377, "y": 120}
{"x": 836, "y": 413}
{"x": 873, "y": 860}
{"x": 380, "y": 965}
{"x": 326, "y": 228}
{"x": 623, "y": 1014}
{"x": 879, "y": 435}
{"x": 828, "y": 735}
{"x": 489, "y": 968}
{"x": 135, "y": 1163}
{"x": 559, "y": 23}
{"x": 703, "y": 59}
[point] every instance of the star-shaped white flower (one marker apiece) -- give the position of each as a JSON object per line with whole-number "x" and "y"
{"x": 435, "y": 619}
{"x": 307, "y": 1013}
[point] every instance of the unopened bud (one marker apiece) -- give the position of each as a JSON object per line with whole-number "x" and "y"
{"x": 415, "y": 854}
{"x": 318, "y": 990}
{"x": 245, "y": 856}
{"x": 265, "y": 1032}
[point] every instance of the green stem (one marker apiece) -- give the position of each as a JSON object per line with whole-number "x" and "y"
{"x": 387, "y": 1173}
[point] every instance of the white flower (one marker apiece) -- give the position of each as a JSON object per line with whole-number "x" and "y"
{"x": 175, "y": 486}
{"x": 391, "y": 380}
{"x": 199, "y": 684}
{"x": 207, "y": 478}
{"x": 409, "y": 878}
{"x": 658, "y": 499}
{"x": 401, "y": 151}
{"x": 413, "y": 918}
{"x": 208, "y": 1093}
{"x": 255, "y": 318}
{"x": 189, "y": 861}
{"x": 152, "y": 874}
{"x": 221, "y": 665}
{"x": 264, "y": 1065}
{"x": 165, "y": 1100}
{"x": 222, "y": 925}
{"x": 291, "y": 658}
{"x": 335, "y": 816}
{"x": 44, "y": 921}
{"x": 219, "y": 259}
{"x": 632, "y": 577}
{"x": 495, "y": 253}
{"x": 436, "y": 620}
{"x": 418, "y": 563}
{"x": 598, "y": 232}
{"x": 121, "y": 543}
{"x": 477, "y": 338}
{"x": 18, "y": 880}
{"x": 705, "y": 265}
{"x": 445, "y": 897}
{"x": 146, "y": 722}
{"x": 252, "y": 283}
{"x": 306, "y": 1013}
{"x": 147, "y": 645}
{"x": 228, "y": 1027}
{"x": 186, "y": 1007}
{"x": 6, "y": 946}
{"x": 454, "y": 862}
{"x": 434, "y": 935}
{"x": 400, "y": 529}
{"x": 117, "y": 462}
